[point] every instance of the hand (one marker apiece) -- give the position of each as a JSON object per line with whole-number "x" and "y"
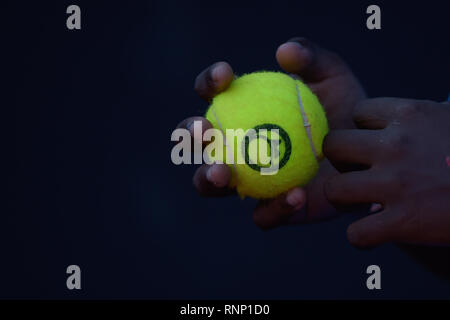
{"x": 338, "y": 90}
{"x": 406, "y": 146}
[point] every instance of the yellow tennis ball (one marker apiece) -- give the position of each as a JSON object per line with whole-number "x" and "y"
{"x": 290, "y": 126}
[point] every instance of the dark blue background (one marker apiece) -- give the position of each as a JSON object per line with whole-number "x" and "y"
{"x": 89, "y": 119}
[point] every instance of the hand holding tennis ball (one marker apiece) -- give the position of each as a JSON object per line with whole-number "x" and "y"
{"x": 337, "y": 89}
{"x": 289, "y": 124}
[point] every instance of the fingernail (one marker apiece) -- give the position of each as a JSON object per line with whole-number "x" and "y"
{"x": 217, "y": 72}
{"x": 297, "y": 44}
{"x": 290, "y": 45}
{"x": 295, "y": 198}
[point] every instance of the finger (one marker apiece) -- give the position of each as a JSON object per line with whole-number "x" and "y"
{"x": 357, "y": 187}
{"x": 311, "y": 62}
{"x": 373, "y": 230}
{"x": 272, "y": 213}
{"x": 212, "y": 180}
{"x": 196, "y": 127}
{"x": 351, "y": 146}
{"x": 378, "y": 113}
{"x": 213, "y": 80}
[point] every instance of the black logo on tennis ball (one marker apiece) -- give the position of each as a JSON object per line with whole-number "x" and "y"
{"x": 283, "y": 137}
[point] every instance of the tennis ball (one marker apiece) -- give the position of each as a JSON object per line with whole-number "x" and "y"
{"x": 264, "y": 101}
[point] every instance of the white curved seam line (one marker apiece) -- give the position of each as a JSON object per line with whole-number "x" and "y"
{"x": 306, "y": 123}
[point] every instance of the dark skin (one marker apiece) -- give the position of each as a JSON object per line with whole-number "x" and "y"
{"x": 385, "y": 137}
{"x": 406, "y": 146}
{"x": 332, "y": 81}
